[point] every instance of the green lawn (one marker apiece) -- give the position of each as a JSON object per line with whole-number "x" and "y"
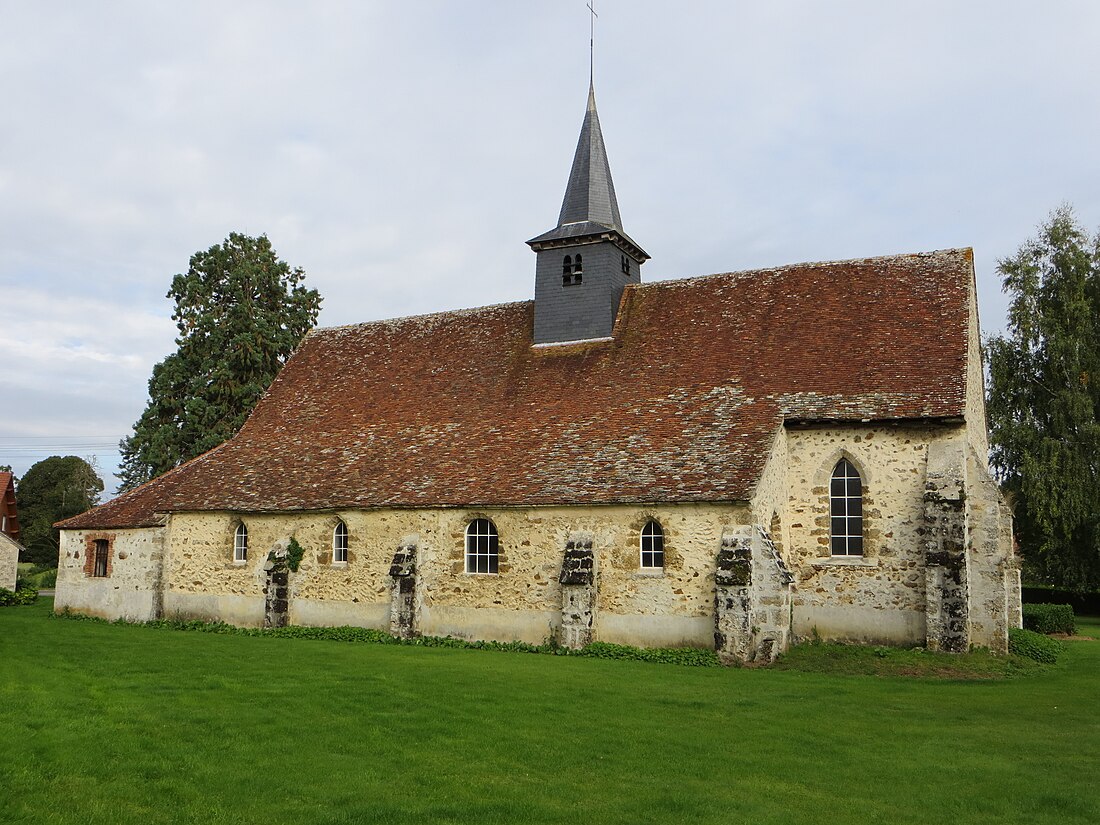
{"x": 117, "y": 724}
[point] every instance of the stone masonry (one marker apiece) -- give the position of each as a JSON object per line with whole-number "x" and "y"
{"x": 946, "y": 559}
{"x": 578, "y": 592}
{"x": 403, "y": 590}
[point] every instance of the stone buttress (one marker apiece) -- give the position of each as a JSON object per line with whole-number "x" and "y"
{"x": 403, "y": 590}
{"x": 947, "y": 563}
{"x": 752, "y": 598}
{"x": 578, "y": 592}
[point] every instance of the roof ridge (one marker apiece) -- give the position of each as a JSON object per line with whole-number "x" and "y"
{"x": 459, "y": 312}
{"x": 801, "y": 265}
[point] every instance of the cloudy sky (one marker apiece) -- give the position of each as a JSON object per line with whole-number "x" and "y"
{"x": 402, "y": 152}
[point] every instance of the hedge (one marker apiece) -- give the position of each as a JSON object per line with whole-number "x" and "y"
{"x": 1049, "y": 618}
{"x": 22, "y": 595}
{"x": 1083, "y": 604}
{"x": 1033, "y": 645}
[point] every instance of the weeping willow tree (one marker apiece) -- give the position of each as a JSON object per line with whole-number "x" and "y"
{"x": 1044, "y": 401}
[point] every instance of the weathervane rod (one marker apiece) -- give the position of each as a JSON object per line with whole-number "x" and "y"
{"x": 591, "y": 40}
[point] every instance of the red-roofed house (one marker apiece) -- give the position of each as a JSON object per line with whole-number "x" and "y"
{"x": 722, "y": 460}
{"x": 9, "y": 533}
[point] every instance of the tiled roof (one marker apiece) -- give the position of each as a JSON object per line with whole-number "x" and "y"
{"x": 8, "y": 505}
{"x": 681, "y": 405}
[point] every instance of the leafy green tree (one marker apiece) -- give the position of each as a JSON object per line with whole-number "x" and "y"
{"x": 55, "y": 488}
{"x": 1044, "y": 401}
{"x": 240, "y": 312}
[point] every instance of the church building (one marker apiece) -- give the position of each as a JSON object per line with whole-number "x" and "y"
{"x": 736, "y": 460}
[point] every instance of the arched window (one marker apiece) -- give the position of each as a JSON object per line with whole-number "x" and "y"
{"x": 482, "y": 546}
{"x": 571, "y": 270}
{"x": 240, "y": 543}
{"x": 653, "y": 546}
{"x": 339, "y": 543}
{"x": 846, "y": 509}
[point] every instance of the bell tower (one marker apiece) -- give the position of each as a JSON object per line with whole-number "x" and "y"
{"x": 583, "y": 264}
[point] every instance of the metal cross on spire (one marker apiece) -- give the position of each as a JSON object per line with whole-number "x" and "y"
{"x": 591, "y": 40}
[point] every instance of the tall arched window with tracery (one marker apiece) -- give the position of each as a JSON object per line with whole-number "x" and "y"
{"x": 846, "y": 510}
{"x": 340, "y": 543}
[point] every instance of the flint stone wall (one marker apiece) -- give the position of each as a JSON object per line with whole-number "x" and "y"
{"x": 673, "y": 607}
{"x": 878, "y": 597}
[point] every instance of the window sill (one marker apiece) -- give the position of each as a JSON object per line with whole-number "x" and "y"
{"x": 239, "y": 562}
{"x": 845, "y": 561}
{"x": 646, "y": 573}
{"x": 338, "y": 564}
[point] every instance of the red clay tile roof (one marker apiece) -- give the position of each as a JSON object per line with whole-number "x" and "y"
{"x": 682, "y": 405}
{"x": 8, "y": 506}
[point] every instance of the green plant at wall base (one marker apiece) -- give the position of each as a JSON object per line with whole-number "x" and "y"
{"x": 1033, "y": 645}
{"x": 1049, "y": 618}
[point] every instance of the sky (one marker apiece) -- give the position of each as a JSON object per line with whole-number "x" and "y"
{"x": 401, "y": 153}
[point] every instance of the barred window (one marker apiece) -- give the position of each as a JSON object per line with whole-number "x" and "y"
{"x": 482, "y": 546}
{"x": 102, "y": 549}
{"x": 340, "y": 543}
{"x": 653, "y": 546}
{"x": 240, "y": 543}
{"x": 846, "y": 510}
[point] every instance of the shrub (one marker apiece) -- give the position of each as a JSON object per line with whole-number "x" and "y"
{"x": 21, "y": 595}
{"x": 1033, "y": 645}
{"x": 1049, "y": 618}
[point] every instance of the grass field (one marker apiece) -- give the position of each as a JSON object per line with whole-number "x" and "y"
{"x": 119, "y": 724}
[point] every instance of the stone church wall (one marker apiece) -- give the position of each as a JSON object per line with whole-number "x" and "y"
{"x": 994, "y": 597}
{"x": 130, "y": 590}
{"x": 878, "y": 597}
{"x": 977, "y": 432}
{"x": 633, "y": 606}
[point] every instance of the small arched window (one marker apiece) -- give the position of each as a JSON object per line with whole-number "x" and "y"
{"x": 240, "y": 543}
{"x": 482, "y": 546}
{"x": 339, "y": 543}
{"x": 571, "y": 270}
{"x": 653, "y": 546}
{"x": 846, "y": 509}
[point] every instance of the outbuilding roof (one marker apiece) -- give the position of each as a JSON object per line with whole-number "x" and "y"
{"x": 681, "y": 404}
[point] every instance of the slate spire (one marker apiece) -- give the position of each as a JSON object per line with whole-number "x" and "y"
{"x": 590, "y": 194}
{"x": 586, "y": 261}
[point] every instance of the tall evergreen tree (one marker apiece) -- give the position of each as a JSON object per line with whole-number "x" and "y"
{"x": 240, "y": 312}
{"x": 55, "y": 488}
{"x": 1044, "y": 401}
